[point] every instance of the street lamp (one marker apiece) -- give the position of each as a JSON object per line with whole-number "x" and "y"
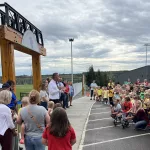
{"x": 71, "y": 40}
{"x": 146, "y": 45}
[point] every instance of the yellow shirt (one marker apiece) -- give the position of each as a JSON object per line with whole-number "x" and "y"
{"x": 99, "y": 92}
{"x": 147, "y": 101}
{"x": 95, "y": 91}
{"x": 111, "y": 93}
{"x": 105, "y": 93}
{"x": 132, "y": 101}
{"x": 111, "y": 84}
{"x": 19, "y": 110}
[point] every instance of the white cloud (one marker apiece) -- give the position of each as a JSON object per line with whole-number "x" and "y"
{"x": 108, "y": 34}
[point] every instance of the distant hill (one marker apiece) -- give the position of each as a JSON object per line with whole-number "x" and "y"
{"x": 25, "y": 79}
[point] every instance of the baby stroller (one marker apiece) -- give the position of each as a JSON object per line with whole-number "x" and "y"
{"x": 125, "y": 122}
{"x": 117, "y": 119}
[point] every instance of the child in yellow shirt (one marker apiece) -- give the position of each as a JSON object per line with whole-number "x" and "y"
{"x": 95, "y": 93}
{"x": 99, "y": 93}
{"x": 105, "y": 95}
{"x": 111, "y": 94}
{"x": 146, "y": 103}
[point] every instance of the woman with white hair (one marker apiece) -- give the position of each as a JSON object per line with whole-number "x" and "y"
{"x": 7, "y": 128}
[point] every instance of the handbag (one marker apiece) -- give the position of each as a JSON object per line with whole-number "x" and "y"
{"x": 34, "y": 119}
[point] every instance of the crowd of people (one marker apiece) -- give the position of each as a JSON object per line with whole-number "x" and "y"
{"x": 129, "y": 102}
{"x": 42, "y": 117}
{"x": 57, "y": 91}
{"x": 43, "y": 120}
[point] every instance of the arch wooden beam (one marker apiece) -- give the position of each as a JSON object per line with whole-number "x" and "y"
{"x": 36, "y": 66}
{"x": 7, "y": 61}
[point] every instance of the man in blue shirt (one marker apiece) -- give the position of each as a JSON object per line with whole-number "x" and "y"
{"x": 13, "y": 102}
{"x": 10, "y": 86}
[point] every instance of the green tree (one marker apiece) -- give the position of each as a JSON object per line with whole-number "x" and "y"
{"x": 105, "y": 78}
{"x": 90, "y": 75}
{"x": 98, "y": 78}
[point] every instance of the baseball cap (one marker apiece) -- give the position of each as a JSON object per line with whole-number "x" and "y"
{"x": 5, "y": 86}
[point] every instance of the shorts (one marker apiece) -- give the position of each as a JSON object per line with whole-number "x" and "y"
{"x": 55, "y": 100}
{"x": 105, "y": 99}
{"x": 12, "y": 108}
{"x": 71, "y": 94}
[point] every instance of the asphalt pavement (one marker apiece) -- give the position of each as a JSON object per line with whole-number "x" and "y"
{"x": 101, "y": 134}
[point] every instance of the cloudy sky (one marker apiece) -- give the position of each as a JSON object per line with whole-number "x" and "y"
{"x": 109, "y": 34}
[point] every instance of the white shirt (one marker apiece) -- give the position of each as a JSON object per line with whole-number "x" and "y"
{"x": 93, "y": 85}
{"x": 53, "y": 90}
{"x": 6, "y": 121}
{"x": 117, "y": 108}
{"x": 43, "y": 94}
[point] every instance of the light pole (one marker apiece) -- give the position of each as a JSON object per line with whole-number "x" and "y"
{"x": 146, "y": 45}
{"x": 71, "y": 40}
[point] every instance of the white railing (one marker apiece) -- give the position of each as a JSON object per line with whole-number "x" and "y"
{"x": 77, "y": 88}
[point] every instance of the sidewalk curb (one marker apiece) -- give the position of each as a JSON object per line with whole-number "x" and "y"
{"x": 80, "y": 147}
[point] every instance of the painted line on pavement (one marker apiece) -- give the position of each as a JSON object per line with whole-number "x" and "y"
{"x": 107, "y": 127}
{"x": 101, "y": 128}
{"x": 84, "y": 130}
{"x": 118, "y": 139}
{"x": 100, "y": 119}
{"x": 100, "y": 108}
{"x": 81, "y": 97}
{"x": 97, "y": 107}
{"x": 106, "y": 112}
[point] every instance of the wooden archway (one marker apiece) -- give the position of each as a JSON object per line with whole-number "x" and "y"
{"x": 11, "y": 35}
{"x": 10, "y": 40}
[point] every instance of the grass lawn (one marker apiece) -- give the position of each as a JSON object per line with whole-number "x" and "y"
{"x": 24, "y": 89}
